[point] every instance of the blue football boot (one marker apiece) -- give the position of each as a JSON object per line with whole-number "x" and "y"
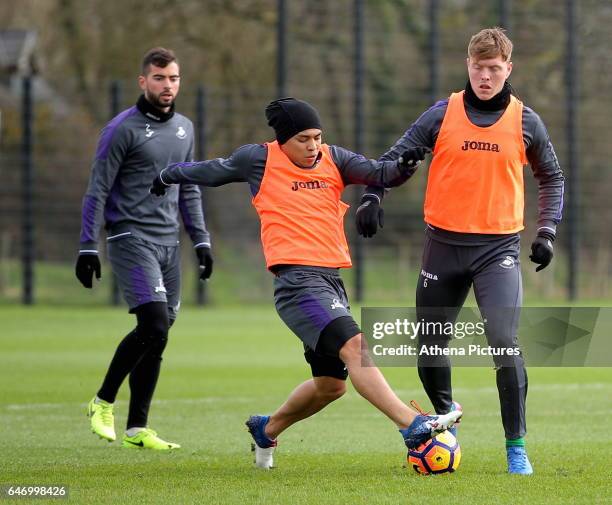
{"x": 424, "y": 427}
{"x": 263, "y": 446}
{"x": 518, "y": 462}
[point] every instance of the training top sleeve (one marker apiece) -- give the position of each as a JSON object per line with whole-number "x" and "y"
{"x": 357, "y": 169}
{"x": 546, "y": 170}
{"x": 246, "y": 164}
{"x": 423, "y": 132}
{"x": 112, "y": 148}
{"x": 192, "y": 213}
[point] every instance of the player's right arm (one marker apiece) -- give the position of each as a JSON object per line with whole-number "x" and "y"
{"x": 110, "y": 153}
{"x": 212, "y": 173}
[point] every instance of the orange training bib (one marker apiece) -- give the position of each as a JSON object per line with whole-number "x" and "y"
{"x": 301, "y": 212}
{"x": 475, "y": 182}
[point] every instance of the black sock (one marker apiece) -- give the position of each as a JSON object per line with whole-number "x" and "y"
{"x": 153, "y": 327}
{"x": 129, "y": 352}
{"x": 143, "y": 380}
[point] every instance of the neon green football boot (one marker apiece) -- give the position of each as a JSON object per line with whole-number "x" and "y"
{"x": 148, "y": 439}
{"x": 102, "y": 419}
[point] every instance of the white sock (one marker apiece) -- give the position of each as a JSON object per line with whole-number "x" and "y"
{"x": 132, "y": 431}
{"x": 100, "y": 400}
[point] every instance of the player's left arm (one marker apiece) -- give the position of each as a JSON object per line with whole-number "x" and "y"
{"x": 422, "y": 133}
{"x": 546, "y": 169}
{"x": 357, "y": 169}
{"x": 377, "y": 176}
{"x": 192, "y": 213}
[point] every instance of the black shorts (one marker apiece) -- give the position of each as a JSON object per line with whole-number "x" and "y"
{"x": 325, "y": 366}
{"x": 310, "y": 300}
{"x": 324, "y": 361}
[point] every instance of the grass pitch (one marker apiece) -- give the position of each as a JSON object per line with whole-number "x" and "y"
{"x": 223, "y": 364}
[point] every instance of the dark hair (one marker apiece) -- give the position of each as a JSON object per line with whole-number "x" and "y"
{"x": 158, "y": 56}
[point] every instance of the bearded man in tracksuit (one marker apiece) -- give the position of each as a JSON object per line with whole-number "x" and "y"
{"x": 296, "y": 183}
{"x": 142, "y": 236}
{"x": 481, "y": 138}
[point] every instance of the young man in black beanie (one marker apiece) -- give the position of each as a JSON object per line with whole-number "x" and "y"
{"x": 296, "y": 183}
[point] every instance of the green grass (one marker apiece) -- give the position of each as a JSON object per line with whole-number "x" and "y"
{"x": 223, "y": 364}
{"x": 240, "y": 277}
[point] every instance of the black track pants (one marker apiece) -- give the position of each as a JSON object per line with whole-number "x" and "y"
{"x": 447, "y": 273}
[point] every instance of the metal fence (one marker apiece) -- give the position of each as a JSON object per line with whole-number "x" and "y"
{"x": 371, "y": 73}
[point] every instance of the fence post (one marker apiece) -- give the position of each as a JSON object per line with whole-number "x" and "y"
{"x": 201, "y": 149}
{"x": 281, "y": 49}
{"x": 115, "y": 101}
{"x": 434, "y": 52}
{"x": 573, "y": 168}
{"x": 505, "y": 18}
{"x": 27, "y": 229}
{"x": 358, "y": 104}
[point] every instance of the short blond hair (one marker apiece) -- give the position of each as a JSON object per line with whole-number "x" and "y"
{"x": 490, "y": 43}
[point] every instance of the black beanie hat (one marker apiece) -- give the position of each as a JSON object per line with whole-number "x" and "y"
{"x": 289, "y": 117}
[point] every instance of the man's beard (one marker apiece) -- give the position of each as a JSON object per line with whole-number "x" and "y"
{"x": 156, "y": 102}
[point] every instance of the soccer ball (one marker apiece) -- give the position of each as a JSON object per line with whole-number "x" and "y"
{"x": 440, "y": 454}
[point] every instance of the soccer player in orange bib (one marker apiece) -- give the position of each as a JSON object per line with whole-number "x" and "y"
{"x": 481, "y": 138}
{"x": 296, "y": 183}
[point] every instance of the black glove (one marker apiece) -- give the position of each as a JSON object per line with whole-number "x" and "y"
{"x": 369, "y": 217}
{"x": 542, "y": 250}
{"x": 206, "y": 262}
{"x": 410, "y": 159}
{"x": 158, "y": 187}
{"x": 86, "y": 265}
